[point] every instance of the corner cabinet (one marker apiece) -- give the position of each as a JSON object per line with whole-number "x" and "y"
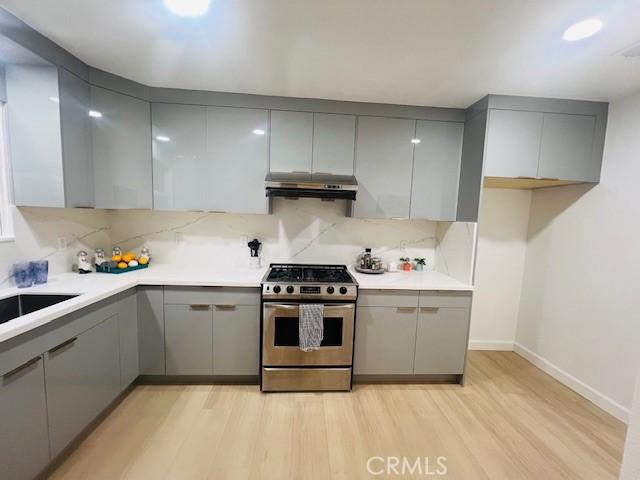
{"x": 121, "y": 150}
{"x": 538, "y": 142}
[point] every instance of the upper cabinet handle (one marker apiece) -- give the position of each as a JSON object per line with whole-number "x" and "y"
{"x": 22, "y": 367}
{"x": 548, "y": 178}
{"x": 62, "y": 345}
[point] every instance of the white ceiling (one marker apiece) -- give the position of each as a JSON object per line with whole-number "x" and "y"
{"x": 423, "y": 52}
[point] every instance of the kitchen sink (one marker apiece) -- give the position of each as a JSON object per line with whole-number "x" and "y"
{"x": 18, "y": 305}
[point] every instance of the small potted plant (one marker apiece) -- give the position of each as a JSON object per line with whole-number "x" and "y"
{"x": 406, "y": 264}
{"x": 420, "y": 263}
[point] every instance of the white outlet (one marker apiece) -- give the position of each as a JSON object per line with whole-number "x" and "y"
{"x": 244, "y": 239}
{"x": 62, "y": 242}
{"x": 178, "y": 237}
{"x": 403, "y": 246}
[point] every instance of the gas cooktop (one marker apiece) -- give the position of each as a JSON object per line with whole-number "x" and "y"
{"x": 295, "y": 281}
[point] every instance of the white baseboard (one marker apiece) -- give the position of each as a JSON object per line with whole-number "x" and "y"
{"x": 501, "y": 345}
{"x": 607, "y": 404}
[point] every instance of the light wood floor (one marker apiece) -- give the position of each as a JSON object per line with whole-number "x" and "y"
{"x": 511, "y": 421}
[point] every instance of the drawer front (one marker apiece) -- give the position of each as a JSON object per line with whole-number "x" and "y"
{"x": 436, "y": 299}
{"x": 211, "y": 296}
{"x": 305, "y": 379}
{"x": 387, "y": 298}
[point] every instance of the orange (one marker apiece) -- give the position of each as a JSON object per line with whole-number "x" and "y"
{"x": 143, "y": 260}
{"x": 122, "y": 265}
{"x": 116, "y": 258}
{"x": 127, "y": 257}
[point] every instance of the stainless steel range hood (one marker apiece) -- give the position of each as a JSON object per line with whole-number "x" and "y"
{"x": 307, "y": 185}
{"x": 311, "y": 185}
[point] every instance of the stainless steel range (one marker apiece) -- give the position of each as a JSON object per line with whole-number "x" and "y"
{"x": 285, "y": 367}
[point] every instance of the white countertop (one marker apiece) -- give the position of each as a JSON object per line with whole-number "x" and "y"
{"x": 93, "y": 287}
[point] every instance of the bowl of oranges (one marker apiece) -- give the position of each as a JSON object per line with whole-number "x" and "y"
{"x": 124, "y": 262}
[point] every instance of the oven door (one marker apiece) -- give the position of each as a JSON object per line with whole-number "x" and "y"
{"x": 280, "y": 336}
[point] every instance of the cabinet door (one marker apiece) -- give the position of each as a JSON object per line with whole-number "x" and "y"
{"x": 82, "y": 377}
{"x": 291, "y": 141}
{"x": 567, "y": 148}
{"x": 236, "y": 340}
{"x": 188, "y": 339}
{"x": 441, "y": 340}
{"x": 121, "y": 150}
{"x": 182, "y": 175}
{"x": 34, "y": 135}
{"x": 128, "y": 330}
{"x": 238, "y": 157}
{"x": 334, "y": 139}
{"x": 385, "y": 340}
{"x": 436, "y": 170}
{"x": 24, "y": 441}
{"x": 151, "y": 330}
{"x": 75, "y": 101}
{"x": 384, "y": 159}
{"x": 513, "y": 144}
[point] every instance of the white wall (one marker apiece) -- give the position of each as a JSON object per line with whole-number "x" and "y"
{"x": 631, "y": 460}
{"x": 579, "y": 316}
{"x": 502, "y": 244}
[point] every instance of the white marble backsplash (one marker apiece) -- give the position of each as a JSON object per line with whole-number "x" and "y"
{"x": 299, "y": 231}
{"x": 304, "y": 230}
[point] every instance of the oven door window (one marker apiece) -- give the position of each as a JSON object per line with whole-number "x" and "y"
{"x": 287, "y": 332}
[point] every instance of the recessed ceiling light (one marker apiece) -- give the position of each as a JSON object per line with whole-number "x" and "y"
{"x": 95, "y": 114}
{"x": 583, "y": 29}
{"x": 188, "y": 8}
{"x": 163, "y": 138}
{"x": 415, "y": 140}
{"x": 258, "y": 131}
{"x": 54, "y": 99}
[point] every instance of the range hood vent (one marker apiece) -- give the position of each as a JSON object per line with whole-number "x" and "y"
{"x": 317, "y": 185}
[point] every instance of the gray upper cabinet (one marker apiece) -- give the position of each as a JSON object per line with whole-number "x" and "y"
{"x": 334, "y": 138}
{"x": 513, "y": 144}
{"x": 436, "y": 170}
{"x": 75, "y": 101}
{"x": 541, "y": 142}
{"x": 82, "y": 377}
{"x": 121, "y": 150}
{"x": 567, "y": 148}
{"x": 24, "y": 446}
{"x": 182, "y": 173}
{"x": 35, "y": 135}
{"x": 237, "y": 157}
{"x": 291, "y": 141}
{"x": 384, "y": 160}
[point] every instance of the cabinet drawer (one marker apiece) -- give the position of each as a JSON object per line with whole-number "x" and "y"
{"x": 437, "y": 299}
{"x": 211, "y": 296}
{"x": 388, "y": 298}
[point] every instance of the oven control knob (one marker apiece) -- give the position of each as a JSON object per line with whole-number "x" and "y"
{"x": 276, "y": 289}
{"x": 330, "y": 290}
{"x": 343, "y": 290}
{"x": 289, "y": 289}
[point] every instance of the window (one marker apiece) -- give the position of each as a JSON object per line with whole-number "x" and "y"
{"x": 6, "y": 218}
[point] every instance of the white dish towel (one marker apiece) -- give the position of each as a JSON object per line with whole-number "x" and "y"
{"x": 311, "y": 326}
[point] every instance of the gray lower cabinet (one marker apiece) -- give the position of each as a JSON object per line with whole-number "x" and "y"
{"x": 291, "y": 137}
{"x": 128, "y": 334}
{"x": 334, "y": 138}
{"x": 384, "y": 161}
{"x": 236, "y": 340}
{"x": 238, "y": 157}
{"x": 441, "y": 341}
{"x": 82, "y": 377}
{"x": 24, "y": 445}
{"x": 150, "y": 304}
{"x": 182, "y": 175}
{"x": 121, "y": 139}
{"x": 567, "y": 148}
{"x": 513, "y": 143}
{"x": 385, "y": 340}
{"x": 188, "y": 339}
{"x": 436, "y": 170}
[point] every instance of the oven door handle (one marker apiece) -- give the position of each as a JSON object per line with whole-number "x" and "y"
{"x": 280, "y": 306}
